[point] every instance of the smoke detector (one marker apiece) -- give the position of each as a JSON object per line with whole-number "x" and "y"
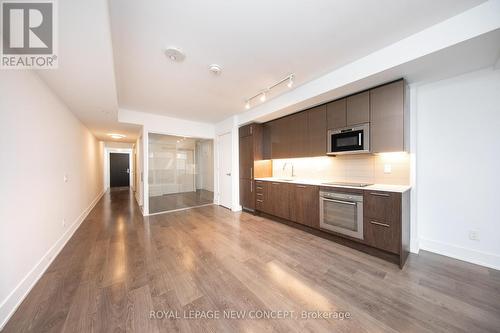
{"x": 175, "y": 54}
{"x": 215, "y": 69}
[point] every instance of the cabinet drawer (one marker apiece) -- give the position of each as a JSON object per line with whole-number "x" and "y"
{"x": 382, "y": 206}
{"x": 382, "y": 234}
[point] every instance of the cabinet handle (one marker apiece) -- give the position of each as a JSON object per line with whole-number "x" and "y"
{"x": 260, "y": 194}
{"x": 380, "y": 194}
{"x": 251, "y": 186}
{"x": 258, "y": 187}
{"x": 275, "y": 183}
{"x": 380, "y": 224}
{"x": 251, "y": 173}
{"x": 258, "y": 200}
{"x": 301, "y": 186}
{"x": 251, "y": 129}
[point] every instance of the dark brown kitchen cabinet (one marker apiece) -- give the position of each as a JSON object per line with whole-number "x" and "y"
{"x": 262, "y": 202}
{"x": 247, "y": 199}
{"x": 278, "y": 199}
{"x": 296, "y": 134}
{"x": 382, "y": 220}
{"x": 280, "y": 147}
{"x": 316, "y": 131}
{"x": 336, "y": 114}
{"x": 251, "y": 150}
{"x": 304, "y": 204}
{"x": 387, "y": 117}
{"x": 246, "y": 157}
{"x": 358, "y": 108}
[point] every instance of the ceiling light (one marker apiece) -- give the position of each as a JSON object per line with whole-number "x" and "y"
{"x": 175, "y": 54}
{"x": 117, "y": 136}
{"x": 289, "y": 79}
{"x": 263, "y": 97}
{"x": 215, "y": 69}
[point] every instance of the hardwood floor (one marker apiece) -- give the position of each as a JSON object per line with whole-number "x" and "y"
{"x": 119, "y": 266}
{"x": 175, "y": 201}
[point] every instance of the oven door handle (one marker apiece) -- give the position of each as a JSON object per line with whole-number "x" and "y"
{"x": 340, "y": 201}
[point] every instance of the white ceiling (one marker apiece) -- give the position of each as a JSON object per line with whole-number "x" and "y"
{"x": 111, "y": 58}
{"x": 85, "y": 79}
{"x": 256, "y": 43}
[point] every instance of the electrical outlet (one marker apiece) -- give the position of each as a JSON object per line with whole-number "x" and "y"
{"x": 474, "y": 235}
{"x": 387, "y": 168}
{"x": 64, "y": 222}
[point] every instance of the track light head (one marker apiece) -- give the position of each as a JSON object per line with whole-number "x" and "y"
{"x": 263, "y": 97}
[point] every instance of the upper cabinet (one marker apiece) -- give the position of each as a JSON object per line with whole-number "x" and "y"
{"x": 304, "y": 134}
{"x": 387, "y": 118}
{"x": 336, "y": 113}
{"x": 352, "y": 110}
{"x": 316, "y": 131}
{"x": 358, "y": 109}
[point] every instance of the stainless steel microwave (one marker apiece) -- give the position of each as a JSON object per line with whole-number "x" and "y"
{"x": 349, "y": 140}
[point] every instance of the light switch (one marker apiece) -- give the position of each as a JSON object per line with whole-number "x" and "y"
{"x": 387, "y": 168}
{"x": 65, "y": 178}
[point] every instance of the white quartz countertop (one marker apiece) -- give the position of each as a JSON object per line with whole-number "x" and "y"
{"x": 319, "y": 182}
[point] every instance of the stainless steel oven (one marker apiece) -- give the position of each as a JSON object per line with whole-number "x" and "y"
{"x": 341, "y": 212}
{"x": 349, "y": 140}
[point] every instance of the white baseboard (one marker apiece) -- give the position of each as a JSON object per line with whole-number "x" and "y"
{"x": 473, "y": 256}
{"x": 10, "y": 304}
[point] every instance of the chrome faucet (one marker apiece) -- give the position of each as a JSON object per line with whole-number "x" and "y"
{"x": 284, "y": 166}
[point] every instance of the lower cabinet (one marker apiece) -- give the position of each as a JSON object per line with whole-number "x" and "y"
{"x": 382, "y": 220}
{"x": 304, "y": 204}
{"x": 278, "y": 199}
{"x": 385, "y": 214}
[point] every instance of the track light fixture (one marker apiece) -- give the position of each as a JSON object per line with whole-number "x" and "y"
{"x": 289, "y": 79}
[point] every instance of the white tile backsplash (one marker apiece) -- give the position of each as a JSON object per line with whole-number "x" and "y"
{"x": 367, "y": 168}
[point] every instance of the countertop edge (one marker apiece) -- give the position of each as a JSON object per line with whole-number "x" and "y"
{"x": 374, "y": 187}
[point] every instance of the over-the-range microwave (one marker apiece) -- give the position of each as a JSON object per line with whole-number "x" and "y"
{"x": 349, "y": 140}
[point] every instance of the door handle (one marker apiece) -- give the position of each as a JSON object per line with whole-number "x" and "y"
{"x": 340, "y": 201}
{"x": 379, "y": 194}
{"x": 380, "y": 224}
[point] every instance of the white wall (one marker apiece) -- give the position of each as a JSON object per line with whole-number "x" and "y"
{"x": 41, "y": 141}
{"x": 458, "y": 166}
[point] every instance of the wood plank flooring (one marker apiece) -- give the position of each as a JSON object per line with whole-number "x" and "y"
{"x": 119, "y": 266}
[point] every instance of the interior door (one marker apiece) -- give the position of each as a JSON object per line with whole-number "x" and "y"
{"x": 225, "y": 167}
{"x": 119, "y": 170}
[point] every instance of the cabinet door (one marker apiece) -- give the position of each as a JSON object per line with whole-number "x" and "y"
{"x": 336, "y": 114}
{"x": 304, "y": 204}
{"x": 246, "y": 157}
{"x": 247, "y": 198}
{"x": 316, "y": 131}
{"x": 279, "y": 135}
{"x": 358, "y": 108}
{"x": 386, "y": 118}
{"x": 382, "y": 220}
{"x": 279, "y": 199}
{"x": 262, "y": 202}
{"x": 296, "y": 135}
{"x": 246, "y": 130}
